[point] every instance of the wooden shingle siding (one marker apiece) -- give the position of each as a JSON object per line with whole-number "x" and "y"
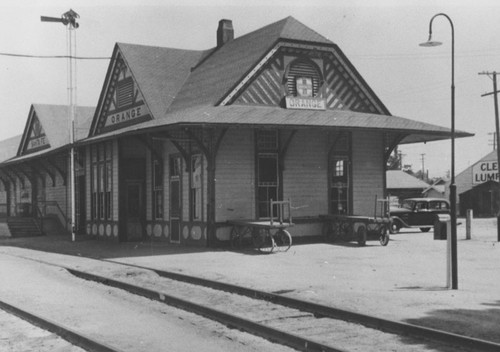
{"x": 235, "y": 176}
{"x": 368, "y": 171}
{"x": 305, "y": 176}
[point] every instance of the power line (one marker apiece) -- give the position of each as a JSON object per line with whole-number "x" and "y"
{"x": 56, "y": 56}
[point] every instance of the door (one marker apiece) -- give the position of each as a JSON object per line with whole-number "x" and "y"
{"x": 134, "y": 210}
{"x": 175, "y": 199}
{"x": 339, "y": 185}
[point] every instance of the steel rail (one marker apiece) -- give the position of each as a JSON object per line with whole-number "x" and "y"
{"x": 318, "y": 310}
{"x": 67, "y": 334}
{"x": 271, "y": 334}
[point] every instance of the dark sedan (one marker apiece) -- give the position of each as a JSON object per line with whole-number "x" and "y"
{"x": 418, "y": 213}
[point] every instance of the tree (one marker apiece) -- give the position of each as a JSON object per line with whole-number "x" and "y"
{"x": 394, "y": 161}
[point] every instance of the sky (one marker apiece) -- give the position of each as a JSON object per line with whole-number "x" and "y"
{"x": 380, "y": 38}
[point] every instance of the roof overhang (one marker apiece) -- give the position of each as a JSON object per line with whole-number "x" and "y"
{"x": 411, "y": 131}
{"x": 243, "y": 116}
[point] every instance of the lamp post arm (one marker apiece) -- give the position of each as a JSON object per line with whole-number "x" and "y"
{"x": 453, "y": 187}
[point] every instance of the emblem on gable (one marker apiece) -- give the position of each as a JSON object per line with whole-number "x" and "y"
{"x": 304, "y": 86}
{"x": 303, "y": 78}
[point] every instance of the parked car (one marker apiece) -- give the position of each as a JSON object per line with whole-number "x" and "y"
{"x": 418, "y": 213}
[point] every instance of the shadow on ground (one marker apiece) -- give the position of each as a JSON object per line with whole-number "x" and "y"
{"x": 105, "y": 249}
{"x": 477, "y": 323}
{"x": 101, "y": 249}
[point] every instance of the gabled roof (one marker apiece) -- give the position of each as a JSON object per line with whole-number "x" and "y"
{"x": 227, "y": 65}
{"x": 491, "y": 156}
{"x": 185, "y": 87}
{"x": 54, "y": 120}
{"x": 398, "y": 179}
{"x": 8, "y": 147}
{"x": 158, "y": 72}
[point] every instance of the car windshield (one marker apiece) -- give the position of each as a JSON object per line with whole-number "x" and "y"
{"x": 407, "y": 204}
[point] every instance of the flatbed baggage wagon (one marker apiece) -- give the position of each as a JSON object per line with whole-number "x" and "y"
{"x": 359, "y": 228}
{"x": 265, "y": 235}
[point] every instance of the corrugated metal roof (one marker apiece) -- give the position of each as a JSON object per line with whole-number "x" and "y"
{"x": 398, "y": 179}
{"x": 266, "y": 116}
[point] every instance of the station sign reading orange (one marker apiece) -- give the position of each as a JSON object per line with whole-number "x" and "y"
{"x": 305, "y": 103}
{"x": 128, "y": 115}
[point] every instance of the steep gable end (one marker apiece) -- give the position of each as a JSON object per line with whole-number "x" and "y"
{"x": 34, "y": 137}
{"x": 122, "y": 103}
{"x": 318, "y": 76}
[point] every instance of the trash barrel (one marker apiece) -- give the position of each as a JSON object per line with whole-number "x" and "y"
{"x": 440, "y": 226}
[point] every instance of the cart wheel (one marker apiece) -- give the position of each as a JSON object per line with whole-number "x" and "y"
{"x": 361, "y": 233}
{"x": 345, "y": 231}
{"x": 384, "y": 236}
{"x": 263, "y": 240}
{"x": 283, "y": 240}
{"x": 235, "y": 238}
{"x": 327, "y": 231}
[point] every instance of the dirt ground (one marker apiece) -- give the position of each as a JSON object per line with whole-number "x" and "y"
{"x": 405, "y": 281}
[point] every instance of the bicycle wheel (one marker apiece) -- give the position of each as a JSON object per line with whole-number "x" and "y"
{"x": 384, "y": 236}
{"x": 283, "y": 240}
{"x": 263, "y": 240}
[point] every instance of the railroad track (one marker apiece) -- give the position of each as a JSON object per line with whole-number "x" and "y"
{"x": 72, "y": 336}
{"x": 298, "y": 324}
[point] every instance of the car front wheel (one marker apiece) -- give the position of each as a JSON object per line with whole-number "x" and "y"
{"x": 395, "y": 227}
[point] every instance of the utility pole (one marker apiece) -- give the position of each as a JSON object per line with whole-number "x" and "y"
{"x": 422, "y": 156}
{"x": 69, "y": 20}
{"x": 493, "y": 142}
{"x": 493, "y": 76}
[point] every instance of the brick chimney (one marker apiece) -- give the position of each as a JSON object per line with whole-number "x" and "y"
{"x": 225, "y": 32}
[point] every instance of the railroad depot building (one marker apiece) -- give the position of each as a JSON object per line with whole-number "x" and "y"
{"x": 181, "y": 141}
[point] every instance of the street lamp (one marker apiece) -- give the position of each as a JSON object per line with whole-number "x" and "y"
{"x": 453, "y": 187}
{"x": 69, "y": 19}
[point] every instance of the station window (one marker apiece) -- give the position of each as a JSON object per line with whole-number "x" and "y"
{"x": 102, "y": 181}
{"x": 157, "y": 163}
{"x": 339, "y": 180}
{"x": 267, "y": 171}
{"x": 196, "y": 186}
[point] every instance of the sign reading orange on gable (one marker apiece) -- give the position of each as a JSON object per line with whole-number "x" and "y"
{"x": 305, "y": 103}
{"x": 127, "y": 116}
